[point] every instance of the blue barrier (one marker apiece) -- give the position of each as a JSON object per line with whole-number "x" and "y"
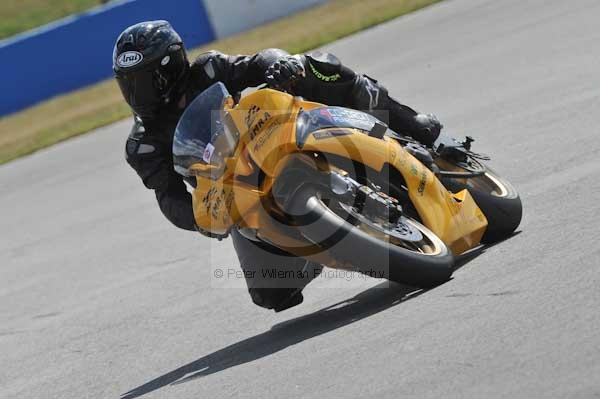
{"x": 77, "y": 51}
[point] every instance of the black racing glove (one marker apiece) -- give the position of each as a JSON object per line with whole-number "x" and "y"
{"x": 284, "y": 72}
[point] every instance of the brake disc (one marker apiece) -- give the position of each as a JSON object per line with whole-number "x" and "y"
{"x": 406, "y": 232}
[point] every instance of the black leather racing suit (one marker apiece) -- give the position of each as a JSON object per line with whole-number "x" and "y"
{"x": 149, "y": 146}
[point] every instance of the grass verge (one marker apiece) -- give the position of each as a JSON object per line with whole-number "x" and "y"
{"x": 20, "y": 15}
{"x": 78, "y": 112}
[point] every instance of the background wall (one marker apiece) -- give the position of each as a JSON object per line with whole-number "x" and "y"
{"x": 77, "y": 51}
{"x": 233, "y": 16}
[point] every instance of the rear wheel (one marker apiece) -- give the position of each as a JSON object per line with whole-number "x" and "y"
{"x": 494, "y": 195}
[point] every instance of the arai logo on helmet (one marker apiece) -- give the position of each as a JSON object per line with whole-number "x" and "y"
{"x": 129, "y": 59}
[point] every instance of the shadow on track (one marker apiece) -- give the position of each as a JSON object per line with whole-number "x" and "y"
{"x": 471, "y": 254}
{"x": 291, "y": 332}
{"x": 282, "y": 335}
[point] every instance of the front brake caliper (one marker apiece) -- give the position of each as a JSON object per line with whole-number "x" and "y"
{"x": 367, "y": 201}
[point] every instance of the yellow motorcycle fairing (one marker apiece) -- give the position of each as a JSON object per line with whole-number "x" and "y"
{"x": 266, "y": 122}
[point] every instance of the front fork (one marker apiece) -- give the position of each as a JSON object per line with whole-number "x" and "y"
{"x": 336, "y": 183}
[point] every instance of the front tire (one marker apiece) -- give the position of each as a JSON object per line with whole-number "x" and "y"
{"x": 324, "y": 222}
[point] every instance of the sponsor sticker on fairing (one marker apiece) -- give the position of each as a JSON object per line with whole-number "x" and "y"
{"x": 129, "y": 59}
{"x": 208, "y": 152}
{"x": 331, "y": 133}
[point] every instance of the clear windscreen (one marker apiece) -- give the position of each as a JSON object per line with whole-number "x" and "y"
{"x": 204, "y": 134}
{"x": 326, "y": 117}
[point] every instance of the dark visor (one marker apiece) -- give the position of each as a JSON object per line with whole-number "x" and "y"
{"x": 141, "y": 91}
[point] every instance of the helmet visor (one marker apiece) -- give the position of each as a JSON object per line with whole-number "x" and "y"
{"x": 143, "y": 90}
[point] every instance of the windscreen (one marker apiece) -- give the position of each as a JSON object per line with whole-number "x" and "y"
{"x": 326, "y": 117}
{"x": 199, "y": 129}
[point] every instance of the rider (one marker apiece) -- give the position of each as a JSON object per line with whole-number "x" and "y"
{"x": 152, "y": 69}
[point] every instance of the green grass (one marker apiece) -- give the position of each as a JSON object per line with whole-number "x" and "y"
{"x": 79, "y": 112}
{"x": 20, "y": 15}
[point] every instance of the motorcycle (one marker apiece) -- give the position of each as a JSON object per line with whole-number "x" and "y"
{"x": 337, "y": 186}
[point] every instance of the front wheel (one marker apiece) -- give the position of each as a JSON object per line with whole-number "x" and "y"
{"x": 404, "y": 251}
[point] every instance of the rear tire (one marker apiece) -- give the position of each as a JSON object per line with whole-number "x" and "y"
{"x": 497, "y": 199}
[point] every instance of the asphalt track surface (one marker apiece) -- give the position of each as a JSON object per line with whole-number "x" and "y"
{"x": 101, "y": 298}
